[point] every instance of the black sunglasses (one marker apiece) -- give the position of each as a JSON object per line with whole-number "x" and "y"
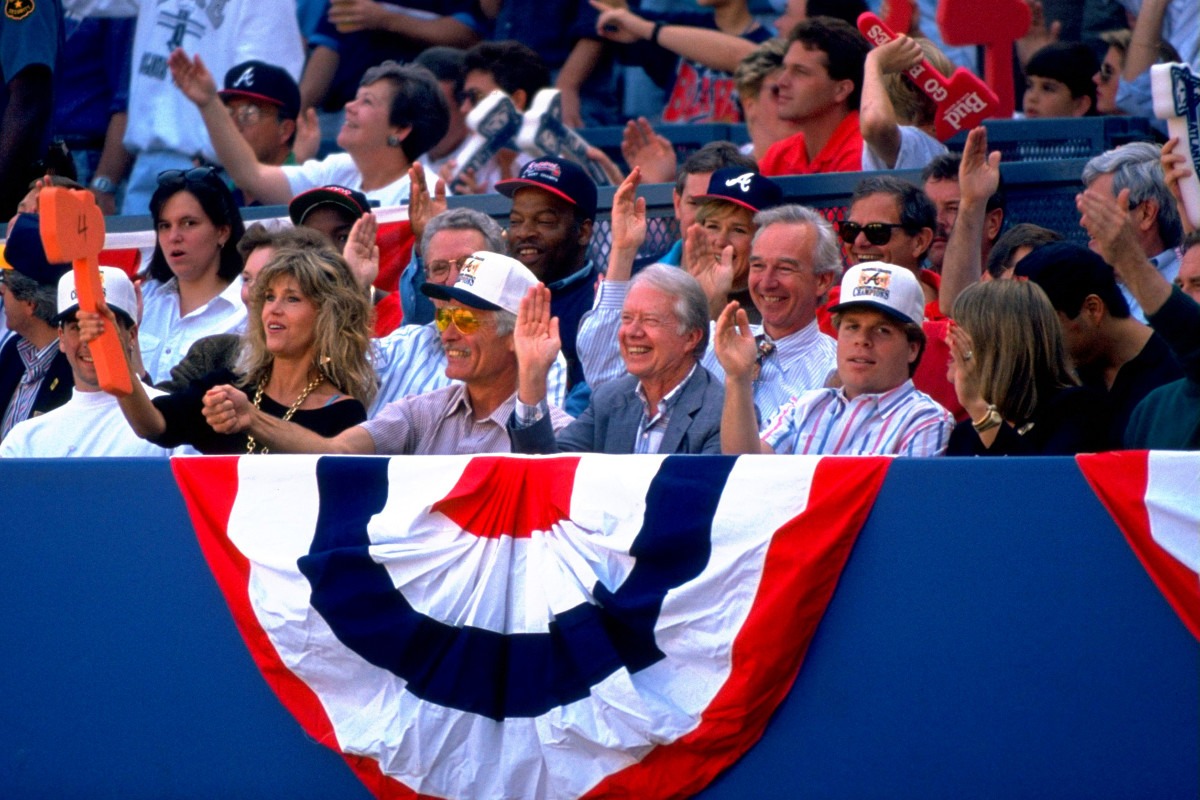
{"x": 877, "y": 232}
{"x": 472, "y": 95}
{"x": 182, "y": 176}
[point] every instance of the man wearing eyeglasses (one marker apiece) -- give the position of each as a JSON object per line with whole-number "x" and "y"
{"x": 476, "y": 324}
{"x": 264, "y": 102}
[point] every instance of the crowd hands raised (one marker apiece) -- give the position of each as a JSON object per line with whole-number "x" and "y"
{"x": 763, "y": 328}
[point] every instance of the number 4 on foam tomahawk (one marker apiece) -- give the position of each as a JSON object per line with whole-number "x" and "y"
{"x": 72, "y": 229}
{"x": 963, "y": 101}
{"x": 1176, "y": 94}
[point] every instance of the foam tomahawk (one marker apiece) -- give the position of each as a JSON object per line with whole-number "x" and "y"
{"x": 1176, "y": 93}
{"x": 72, "y": 229}
{"x": 963, "y": 101}
{"x": 543, "y": 133}
{"x": 995, "y": 24}
{"x": 494, "y": 122}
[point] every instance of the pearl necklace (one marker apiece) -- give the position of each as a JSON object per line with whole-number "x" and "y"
{"x": 313, "y": 384}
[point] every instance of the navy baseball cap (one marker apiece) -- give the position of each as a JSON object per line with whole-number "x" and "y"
{"x": 23, "y": 251}
{"x": 558, "y": 176}
{"x": 743, "y": 187}
{"x": 265, "y": 83}
{"x": 355, "y": 204}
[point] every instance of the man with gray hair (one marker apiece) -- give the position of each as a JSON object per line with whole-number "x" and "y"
{"x": 668, "y": 403}
{"x": 1135, "y": 167}
{"x": 794, "y": 260}
{"x": 411, "y": 359}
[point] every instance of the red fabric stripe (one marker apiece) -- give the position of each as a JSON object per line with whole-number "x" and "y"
{"x": 802, "y": 568}
{"x": 501, "y": 496}
{"x": 1121, "y": 480}
{"x": 209, "y": 487}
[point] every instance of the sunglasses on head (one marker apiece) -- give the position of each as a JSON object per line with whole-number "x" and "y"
{"x": 876, "y": 232}
{"x": 182, "y": 176}
{"x": 463, "y": 318}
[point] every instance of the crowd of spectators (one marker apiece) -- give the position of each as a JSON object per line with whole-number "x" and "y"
{"x": 924, "y": 320}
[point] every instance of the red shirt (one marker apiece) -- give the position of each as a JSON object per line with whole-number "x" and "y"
{"x": 842, "y": 153}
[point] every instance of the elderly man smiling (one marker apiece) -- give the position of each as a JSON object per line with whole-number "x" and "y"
{"x": 668, "y": 403}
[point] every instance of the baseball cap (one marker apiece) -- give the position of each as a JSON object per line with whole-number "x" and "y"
{"x": 119, "y": 294}
{"x": 885, "y": 287}
{"x": 353, "y": 203}
{"x": 23, "y": 252}
{"x": 486, "y": 280}
{"x": 558, "y": 176}
{"x": 743, "y": 187}
{"x": 258, "y": 80}
{"x": 1068, "y": 273}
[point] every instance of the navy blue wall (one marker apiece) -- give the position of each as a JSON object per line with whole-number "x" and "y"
{"x": 992, "y": 636}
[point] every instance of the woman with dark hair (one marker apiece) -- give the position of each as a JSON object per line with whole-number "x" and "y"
{"x": 193, "y": 289}
{"x": 303, "y": 359}
{"x": 1009, "y": 370}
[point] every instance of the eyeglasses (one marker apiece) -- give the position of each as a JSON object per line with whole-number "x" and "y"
{"x": 438, "y": 271}
{"x": 876, "y": 232}
{"x": 463, "y": 318}
{"x": 473, "y": 96}
{"x": 180, "y": 176}
{"x": 246, "y": 115}
{"x": 1106, "y": 73}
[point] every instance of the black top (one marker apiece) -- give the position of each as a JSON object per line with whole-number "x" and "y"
{"x": 1076, "y": 420}
{"x": 1154, "y": 366}
{"x": 182, "y": 411}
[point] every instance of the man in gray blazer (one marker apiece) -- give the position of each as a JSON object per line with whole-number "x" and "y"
{"x": 668, "y": 403}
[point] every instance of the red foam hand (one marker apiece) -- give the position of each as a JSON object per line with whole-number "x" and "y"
{"x": 963, "y": 101}
{"x": 995, "y": 24}
{"x": 72, "y": 229}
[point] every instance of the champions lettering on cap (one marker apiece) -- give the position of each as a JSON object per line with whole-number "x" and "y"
{"x": 560, "y": 177}
{"x": 743, "y": 187}
{"x": 119, "y": 294}
{"x": 885, "y": 287}
{"x": 488, "y": 281}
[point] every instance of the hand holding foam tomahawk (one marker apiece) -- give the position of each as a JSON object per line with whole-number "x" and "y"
{"x": 963, "y": 101}
{"x": 995, "y": 24}
{"x": 72, "y": 230}
{"x": 1176, "y": 94}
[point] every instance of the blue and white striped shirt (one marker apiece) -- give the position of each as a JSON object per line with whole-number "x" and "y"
{"x": 801, "y": 361}
{"x": 903, "y": 422}
{"x": 410, "y": 360}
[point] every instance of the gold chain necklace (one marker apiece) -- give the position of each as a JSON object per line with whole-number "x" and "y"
{"x": 313, "y": 384}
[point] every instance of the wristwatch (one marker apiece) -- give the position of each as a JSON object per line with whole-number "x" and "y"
{"x": 103, "y": 185}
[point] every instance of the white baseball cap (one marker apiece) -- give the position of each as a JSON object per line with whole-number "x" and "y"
{"x": 886, "y": 287}
{"x": 119, "y": 294}
{"x": 488, "y": 281}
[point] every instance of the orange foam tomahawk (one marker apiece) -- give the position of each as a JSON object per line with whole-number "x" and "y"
{"x": 72, "y": 230}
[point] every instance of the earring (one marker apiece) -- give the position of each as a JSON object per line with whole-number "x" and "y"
{"x": 393, "y": 140}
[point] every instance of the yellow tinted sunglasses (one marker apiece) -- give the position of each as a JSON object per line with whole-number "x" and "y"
{"x": 463, "y": 318}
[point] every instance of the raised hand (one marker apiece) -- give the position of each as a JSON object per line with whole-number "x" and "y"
{"x": 628, "y": 215}
{"x": 979, "y": 171}
{"x": 227, "y": 409}
{"x": 536, "y": 343}
{"x": 642, "y": 147}
{"x": 734, "y": 344}
{"x": 192, "y": 77}
{"x": 362, "y": 250}
{"x": 422, "y": 207}
{"x": 1175, "y": 167}
{"x": 963, "y": 371}
{"x": 900, "y": 54}
{"x": 1109, "y": 224}
{"x": 713, "y": 270}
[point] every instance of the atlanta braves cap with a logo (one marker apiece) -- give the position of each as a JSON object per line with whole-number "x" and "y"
{"x": 119, "y": 294}
{"x": 355, "y": 204}
{"x": 743, "y": 187}
{"x": 265, "y": 83}
{"x": 488, "y": 281}
{"x": 885, "y": 287}
{"x": 558, "y": 176}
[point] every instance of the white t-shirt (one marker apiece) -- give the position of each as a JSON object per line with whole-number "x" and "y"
{"x": 917, "y": 148}
{"x": 89, "y": 424}
{"x": 339, "y": 169}
{"x": 165, "y": 338}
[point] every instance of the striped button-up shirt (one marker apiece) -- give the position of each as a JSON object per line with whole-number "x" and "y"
{"x": 801, "y": 361}
{"x": 37, "y": 363}
{"x": 903, "y": 422}
{"x": 411, "y": 360}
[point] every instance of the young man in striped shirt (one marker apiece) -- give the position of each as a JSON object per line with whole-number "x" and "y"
{"x": 876, "y": 411}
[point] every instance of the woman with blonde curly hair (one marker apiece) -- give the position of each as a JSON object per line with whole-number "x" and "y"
{"x": 1009, "y": 370}
{"x": 304, "y": 357}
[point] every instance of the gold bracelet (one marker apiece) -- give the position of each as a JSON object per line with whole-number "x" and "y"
{"x": 991, "y": 419}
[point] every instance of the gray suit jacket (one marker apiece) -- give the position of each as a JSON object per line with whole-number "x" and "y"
{"x": 610, "y": 423}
